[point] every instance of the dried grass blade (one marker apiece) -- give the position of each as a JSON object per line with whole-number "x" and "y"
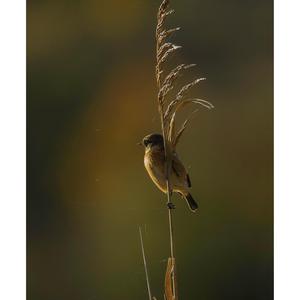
{"x": 162, "y": 14}
{"x": 165, "y": 33}
{"x": 186, "y": 88}
{"x": 171, "y": 130}
{"x": 165, "y": 90}
{"x": 167, "y": 53}
{"x": 171, "y": 11}
{"x": 179, "y": 105}
{"x": 169, "y": 109}
{"x": 173, "y": 75}
{"x": 163, "y": 48}
{"x": 164, "y": 5}
{"x": 182, "y": 129}
{"x": 162, "y": 17}
{"x": 202, "y": 102}
{"x": 145, "y": 265}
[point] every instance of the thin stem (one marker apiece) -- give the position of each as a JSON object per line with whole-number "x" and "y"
{"x": 145, "y": 265}
{"x": 170, "y": 228}
{"x": 167, "y": 173}
{"x": 170, "y": 216}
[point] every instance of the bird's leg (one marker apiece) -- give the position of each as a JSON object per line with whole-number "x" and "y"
{"x": 171, "y": 205}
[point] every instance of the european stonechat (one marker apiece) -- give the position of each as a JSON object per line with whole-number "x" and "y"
{"x": 154, "y": 161}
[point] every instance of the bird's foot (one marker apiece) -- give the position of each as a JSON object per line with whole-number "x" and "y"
{"x": 170, "y": 205}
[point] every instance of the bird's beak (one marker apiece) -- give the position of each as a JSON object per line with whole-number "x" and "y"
{"x": 139, "y": 143}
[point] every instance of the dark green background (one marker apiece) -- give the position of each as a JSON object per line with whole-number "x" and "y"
{"x": 91, "y": 97}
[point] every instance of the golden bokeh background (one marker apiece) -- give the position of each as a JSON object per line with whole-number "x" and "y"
{"x": 91, "y": 96}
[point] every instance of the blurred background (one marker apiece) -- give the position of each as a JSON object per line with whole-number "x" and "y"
{"x": 91, "y": 96}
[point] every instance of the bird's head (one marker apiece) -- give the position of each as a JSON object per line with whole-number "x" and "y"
{"x": 153, "y": 140}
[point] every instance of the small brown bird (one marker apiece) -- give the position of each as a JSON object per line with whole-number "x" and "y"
{"x": 154, "y": 161}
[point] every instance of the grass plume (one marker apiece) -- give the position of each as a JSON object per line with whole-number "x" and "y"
{"x": 168, "y": 109}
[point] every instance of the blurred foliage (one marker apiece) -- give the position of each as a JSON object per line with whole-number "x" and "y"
{"x": 91, "y": 98}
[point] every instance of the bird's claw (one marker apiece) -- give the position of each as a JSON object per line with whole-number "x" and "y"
{"x": 170, "y": 205}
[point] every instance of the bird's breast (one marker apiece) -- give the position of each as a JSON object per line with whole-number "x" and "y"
{"x": 154, "y": 163}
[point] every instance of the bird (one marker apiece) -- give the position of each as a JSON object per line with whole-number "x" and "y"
{"x": 154, "y": 161}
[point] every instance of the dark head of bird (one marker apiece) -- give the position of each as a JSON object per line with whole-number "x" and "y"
{"x": 152, "y": 140}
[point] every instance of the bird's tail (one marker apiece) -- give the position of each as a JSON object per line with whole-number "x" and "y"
{"x": 190, "y": 201}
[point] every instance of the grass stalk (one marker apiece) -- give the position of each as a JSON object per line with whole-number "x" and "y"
{"x": 168, "y": 111}
{"x": 145, "y": 265}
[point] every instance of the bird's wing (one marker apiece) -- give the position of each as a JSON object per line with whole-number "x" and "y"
{"x": 188, "y": 180}
{"x": 179, "y": 169}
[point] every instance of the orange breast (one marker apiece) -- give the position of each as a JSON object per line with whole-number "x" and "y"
{"x": 154, "y": 164}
